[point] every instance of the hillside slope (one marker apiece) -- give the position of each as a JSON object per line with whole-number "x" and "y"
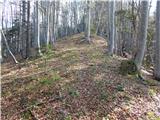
{"x": 79, "y": 82}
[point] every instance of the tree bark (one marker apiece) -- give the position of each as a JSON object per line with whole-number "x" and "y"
{"x": 157, "y": 45}
{"x": 88, "y": 22}
{"x": 23, "y": 50}
{"x": 112, "y": 28}
{"x": 142, "y": 34}
{"x": 28, "y": 30}
{"x": 38, "y": 29}
{"x": 48, "y": 24}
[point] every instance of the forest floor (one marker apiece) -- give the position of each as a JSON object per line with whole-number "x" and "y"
{"x": 79, "y": 82}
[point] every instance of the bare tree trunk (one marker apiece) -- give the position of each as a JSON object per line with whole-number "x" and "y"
{"x": 28, "y": 30}
{"x": 48, "y": 26}
{"x": 99, "y": 20}
{"x": 20, "y": 31}
{"x": 1, "y": 34}
{"x": 53, "y": 23}
{"x": 157, "y": 47}
{"x": 23, "y": 50}
{"x": 57, "y": 19}
{"x": 88, "y": 22}
{"x": 142, "y": 34}
{"x": 112, "y": 28}
{"x": 75, "y": 17}
{"x": 37, "y": 30}
{"x": 1, "y": 48}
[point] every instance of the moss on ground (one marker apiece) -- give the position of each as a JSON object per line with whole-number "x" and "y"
{"x": 128, "y": 67}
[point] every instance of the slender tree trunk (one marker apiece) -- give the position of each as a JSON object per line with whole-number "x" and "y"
{"x": 112, "y": 28}
{"x": 157, "y": 46}
{"x": 1, "y": 34}
{"x": 75, "y": 17}
{"x": 142, "y": 34}
{"x": 12, "y": 24}
{"x": 38, "y": 29}
{"x": 48, "y": 26}
{"x": 99, "y": 20}
{"x": 88, "y": 22}
{"x": 53, "y": 23}
{"x": 1, "y": 48}
{"x": 28, "y": 30}
{"x": 57, "y": 19}
{"x": 20, "y": 31}
{"x": 23, "y": 50}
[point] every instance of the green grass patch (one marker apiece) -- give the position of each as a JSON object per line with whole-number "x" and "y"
{"x": 68, "y": 118}
{"x": 70, "y": 55}
{"x": 103, "y": 96}
{"x": 152, "y": 92}
{"x": 34, "y": 102}
{"x": 120, "y": 88}
{"x": 95, "y": 55}
{"x": 128, "y": 67}
{"x": 73, "y": 92}
{"x": 151, "y": 116}
{"x": 26, "y": 115}
{"x": 151, "y": 82}
{"x": 50, "y": 80}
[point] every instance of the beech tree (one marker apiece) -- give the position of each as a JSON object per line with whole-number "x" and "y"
{"x": 88, "y": 22}
{"x": 38, "y": 29}
{"x": 28, "y": 30}
{"x": 157, "y": 44}
{"x": 48, "y": 23}
{"x": 142, "y": 36}
{"x": 111, "y": 27}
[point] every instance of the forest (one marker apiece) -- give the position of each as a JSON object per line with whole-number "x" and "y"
{"x": 80, "y": 59}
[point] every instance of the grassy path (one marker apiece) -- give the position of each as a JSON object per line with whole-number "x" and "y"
{"x": 81, "y": 83}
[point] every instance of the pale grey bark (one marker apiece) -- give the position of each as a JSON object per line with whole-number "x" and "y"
{"x": 88, "y": 22}
{"x": 23, "y": 39}
{"x": 20, "y": 33}
{"x": 38, "y": 29}
{"x": 99, "y": 19}
{"x": 1, "y": 48}
{"x": 157, "y": 45}
{"x": 53, "y": 22}
{"x": 57, "y": 19}
{"x": 28, "y": 30}
{"x": 112, "y": 27}
{"x": 2, "y": 20}
{"x": 48, "y": 23}
{"x": 75, "y": 16}
{"x": 142, "y": 34}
